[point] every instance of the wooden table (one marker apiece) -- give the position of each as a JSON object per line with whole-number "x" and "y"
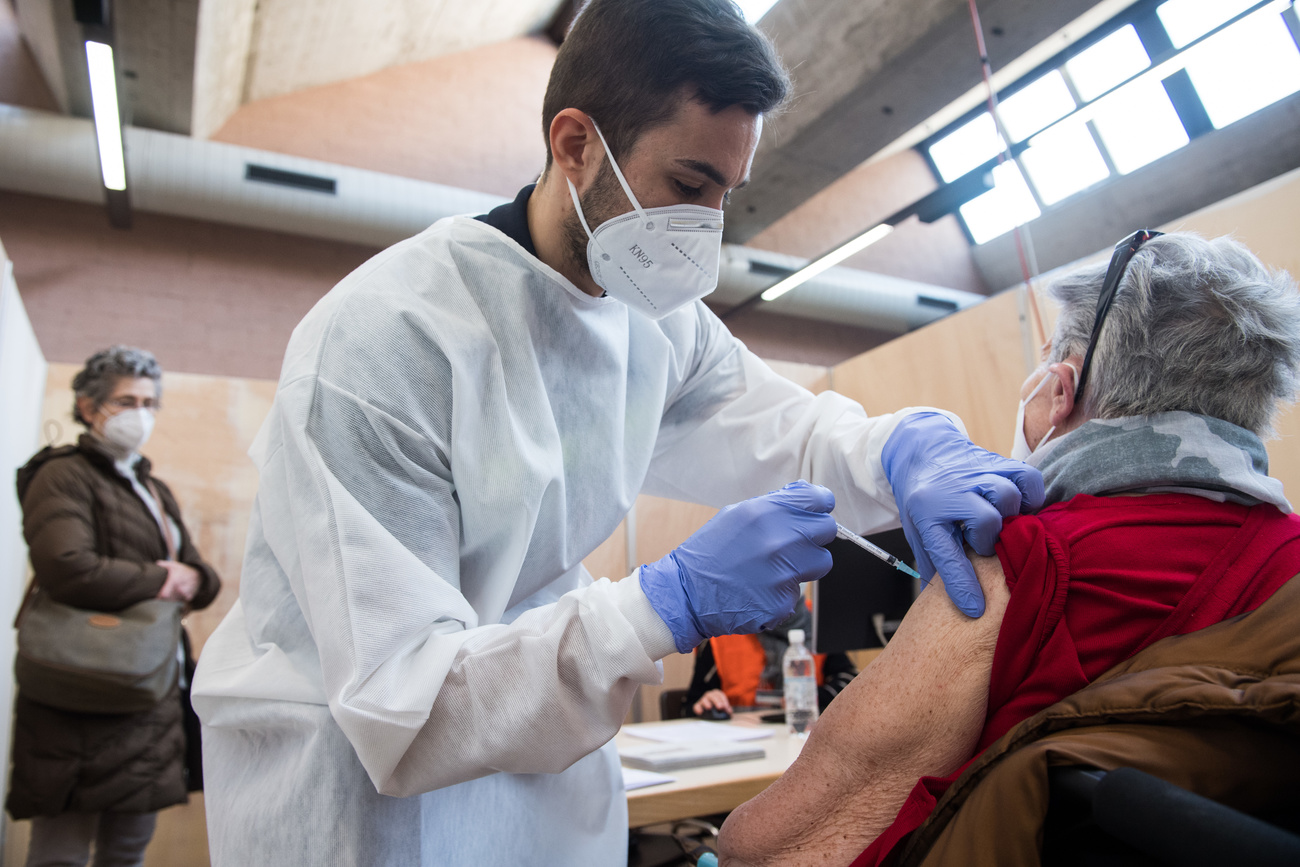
{"x": 713, "y": 788}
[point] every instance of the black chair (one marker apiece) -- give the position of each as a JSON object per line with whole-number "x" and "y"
{"x": 1127, "y": 818}
{"x": 672, "y": 704}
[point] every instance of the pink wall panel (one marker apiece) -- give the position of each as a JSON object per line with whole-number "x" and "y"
{"x": 206, "y": 298}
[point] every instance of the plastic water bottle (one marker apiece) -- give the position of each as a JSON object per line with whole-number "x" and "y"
{"x": 799, "y": 681}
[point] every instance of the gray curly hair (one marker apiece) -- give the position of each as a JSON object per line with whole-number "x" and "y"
{"x": 1196, "y": 325}
{"x": 103, "y": 369}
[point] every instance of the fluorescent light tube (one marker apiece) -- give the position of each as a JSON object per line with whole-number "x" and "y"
{"x": 108, "y": 123}
{"x": 828, "y": 260}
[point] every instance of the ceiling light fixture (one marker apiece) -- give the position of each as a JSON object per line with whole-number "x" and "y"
{"x": 827, "y": 260}
{"x": 108, "y": 122}
{"x": 928, "y": 209}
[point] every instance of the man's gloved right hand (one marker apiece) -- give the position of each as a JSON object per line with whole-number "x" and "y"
{"x": 740, "y": 572}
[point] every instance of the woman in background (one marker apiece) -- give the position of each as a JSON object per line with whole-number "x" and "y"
{"x": 101, "y": 533}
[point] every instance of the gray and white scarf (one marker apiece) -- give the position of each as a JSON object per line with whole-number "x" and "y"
{"x": 1170, "y": 452}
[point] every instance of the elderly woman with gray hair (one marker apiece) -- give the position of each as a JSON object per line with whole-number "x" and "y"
{"x": 103, "y": 534}
{"x": 1145, "y": 418}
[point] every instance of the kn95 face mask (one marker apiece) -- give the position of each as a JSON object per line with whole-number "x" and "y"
{"x": 654, "y": 260}
{"x": 130, "y": 428}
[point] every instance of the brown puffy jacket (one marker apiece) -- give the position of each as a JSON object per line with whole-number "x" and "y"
{"x": 93, "y": 544}
{"x": 1215, "y": 711}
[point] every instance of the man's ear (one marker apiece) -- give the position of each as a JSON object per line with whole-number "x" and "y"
{"x": 575, "y": 147}
{"x": 1062, "y": 391}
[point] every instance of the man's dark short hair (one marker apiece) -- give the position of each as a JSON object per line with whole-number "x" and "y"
{"x": 629, "y": 63}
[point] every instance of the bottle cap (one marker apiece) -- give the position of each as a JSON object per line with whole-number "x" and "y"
{"x": 796, "y": 636}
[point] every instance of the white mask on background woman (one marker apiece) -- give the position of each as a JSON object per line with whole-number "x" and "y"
{"x": 130, "y": 428}
{"x": 1020, "y": 450}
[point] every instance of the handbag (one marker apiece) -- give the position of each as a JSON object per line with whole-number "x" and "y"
{"x": 97, "y": 661}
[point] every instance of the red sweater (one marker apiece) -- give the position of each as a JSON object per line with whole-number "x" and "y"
{"x": 1093, "y": 581}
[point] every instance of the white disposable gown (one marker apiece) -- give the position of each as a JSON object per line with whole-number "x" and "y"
{"x": 419, "y": 670}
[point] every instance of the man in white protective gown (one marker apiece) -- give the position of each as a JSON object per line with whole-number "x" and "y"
{"x": 419, "y": 670}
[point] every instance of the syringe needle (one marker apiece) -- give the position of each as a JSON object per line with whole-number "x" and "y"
{"x": 845, "y": 533}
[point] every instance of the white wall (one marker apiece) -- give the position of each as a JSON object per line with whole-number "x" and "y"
{"x": 22, "y": 382}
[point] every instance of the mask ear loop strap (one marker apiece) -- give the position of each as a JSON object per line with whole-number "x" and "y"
{"x": 1051, "y": 430}
{"x": 619, "y": 174}
{"x": 577, "y": 206}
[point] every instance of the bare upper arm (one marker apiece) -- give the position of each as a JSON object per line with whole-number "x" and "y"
{"x": 916, "y": 710}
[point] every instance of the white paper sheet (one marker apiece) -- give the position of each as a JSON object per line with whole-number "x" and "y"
{"x": 634, "y": 778}
{"x": 700, "y": 730}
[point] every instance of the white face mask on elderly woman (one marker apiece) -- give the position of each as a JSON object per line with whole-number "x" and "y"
{"x": 654, "y": 260}
{"x": 1020, "y": 450}
{"x": 130, "y": 428}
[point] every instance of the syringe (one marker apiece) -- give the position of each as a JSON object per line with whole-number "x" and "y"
{"x": 843, "y": 532}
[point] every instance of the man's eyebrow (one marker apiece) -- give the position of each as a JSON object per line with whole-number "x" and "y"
{"x": 708, "y": 170}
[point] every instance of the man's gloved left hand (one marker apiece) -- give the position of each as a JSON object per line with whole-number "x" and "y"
{"x": 948, "y": 490}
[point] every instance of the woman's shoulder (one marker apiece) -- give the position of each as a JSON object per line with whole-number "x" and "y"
{"x": 52, "y": 464}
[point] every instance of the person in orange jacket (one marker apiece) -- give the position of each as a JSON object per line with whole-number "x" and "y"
{"x": 730, "y": 669}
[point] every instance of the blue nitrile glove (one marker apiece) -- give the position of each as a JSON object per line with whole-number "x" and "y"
{"x": 949, "y": 489}
{"x": 740, "y": 572}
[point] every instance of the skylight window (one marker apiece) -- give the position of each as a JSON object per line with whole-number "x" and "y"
{"x": 1185, "y": 20}
{"x": 1001, "y": 209}
{"x": 1036, "y": 105}
{"x": 1103, "y": 111}
{"x": 966, "y": 147}
{"x": 1114, "y": 59}
{"x": 753, "y": 10}
{"x": 1138, "y": 124}
{"x": 1063, "y": 161}
{"x": 1247, "y": 66}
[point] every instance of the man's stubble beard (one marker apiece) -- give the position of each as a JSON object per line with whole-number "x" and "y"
{"x": 603, "y": 201}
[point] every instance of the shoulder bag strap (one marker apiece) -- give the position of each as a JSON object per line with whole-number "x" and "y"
{"x": 162, "y": 519}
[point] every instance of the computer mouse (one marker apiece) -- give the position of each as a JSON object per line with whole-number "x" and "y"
{"x": 716, "y": 714}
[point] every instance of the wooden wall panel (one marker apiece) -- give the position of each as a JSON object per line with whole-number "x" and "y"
{"x": 1284, "y": 454}
{"x": 1264, "y": 219}
{"x": 971, "y": 363}
{"x": 609, "y": 560}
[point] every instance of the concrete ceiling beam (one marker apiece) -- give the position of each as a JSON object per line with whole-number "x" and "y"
{"x": 297, "y": 45}
{"x": 249, "y": 50}
{"x": 153, "y": 46}
{"x": 54, "y": 38}
{"x": 867, "y": 73}
{"x": 224, "y": 39}
{"x": 155, "y": 42}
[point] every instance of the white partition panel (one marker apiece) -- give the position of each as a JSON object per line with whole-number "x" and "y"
{"x": 22, "y": 387}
